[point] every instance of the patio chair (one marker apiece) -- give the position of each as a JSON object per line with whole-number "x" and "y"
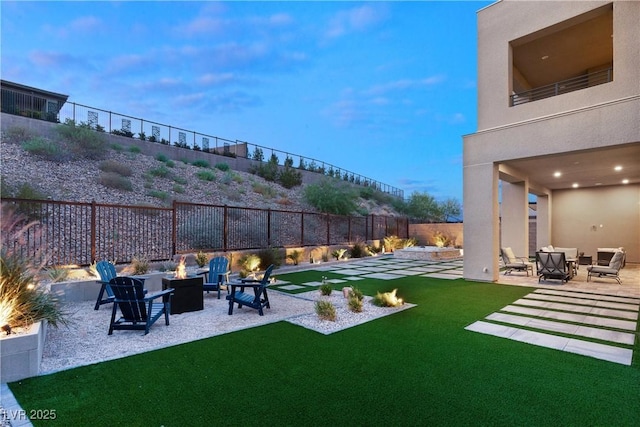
{"x": 107, "y": 271}
{"x": 512, "y": 262}
{"x": 610, "y": 270}
{"x": 218, "y": 275}
{"x": 553, "y": 265}
{"x": 258, "y": 299}
{"x": 138, "y": 311}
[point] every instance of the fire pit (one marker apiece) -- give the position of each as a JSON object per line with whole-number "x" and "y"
{"x": 188, "y": 292}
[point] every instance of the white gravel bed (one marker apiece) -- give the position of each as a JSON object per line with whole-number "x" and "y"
{"x": 85, "y": 340}
{"x": 345, "y": 318}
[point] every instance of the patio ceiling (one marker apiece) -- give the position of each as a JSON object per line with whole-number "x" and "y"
{"x": 586, "y": 168}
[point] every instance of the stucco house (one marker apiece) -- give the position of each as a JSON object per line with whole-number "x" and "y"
{"x": 558, "y": 125}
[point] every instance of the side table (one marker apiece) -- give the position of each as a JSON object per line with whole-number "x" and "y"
{"x": 585, "y": 260}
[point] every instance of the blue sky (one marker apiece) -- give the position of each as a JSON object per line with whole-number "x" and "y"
{"x": 383, "y": 89}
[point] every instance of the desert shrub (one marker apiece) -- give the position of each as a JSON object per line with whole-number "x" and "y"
{"x": 295, "y": 256}
{"x": 140, "y": 265}
{"x": 180, "y": 180}
{"x": 354, "y": 304}
{"x": 58, "y": 274}
{"x": 265, "y": 190}
{"x": 16, "y": 135}
{"x": 201, "y": 259}
{"x": 269, "y": 256}
{"x": 331, "y": 196}
{"x": 22, "y": 298}
{"x": 374, "y": 249}
{"x": 222, "y": 166}
{"x": 338, "y": 253}
{"x": 82, "y": 141}
{"x": 135, "y": 149}
{"x": 27, "y": 191}
{"x": 161, "y": 171}
{"x": 326, "y": 288}
{"x": 358, "y": 250}
{"x": 161, "y": 158}
{"x": 392, "y": 242}
{"x": 387, "y": 299}
{"x": 113, "y": 180}
{"x": 227, "y": 178}
{"x": 116, "y": 167}
{"x": 356, "y": 293}
{"x": 201, "y": 163}
{"x": 248, "y": 264}
{"x": 206, "y": 175}
{"x": 159, "y": 194}
{"x": 46, "y": 149}
{"x": 326, "y": 310}
{"x": 116, "y": 147}
{"x": 289, "y": 177}
{"x": 177, "y": 188}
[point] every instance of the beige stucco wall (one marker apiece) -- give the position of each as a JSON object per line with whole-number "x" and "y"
{"x": 616, "y": 209}
{"x": 424, "y": 233}
{"x": 508, "y": 20}
{"x": 596, "y": 117}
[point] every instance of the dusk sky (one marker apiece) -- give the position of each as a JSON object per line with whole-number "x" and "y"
{"x": 383, "y": 89}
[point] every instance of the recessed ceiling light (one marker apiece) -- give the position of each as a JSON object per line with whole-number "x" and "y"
{"x": 598, "y": 183}
{"x": 625, "y": 181}
{"x": 575, "y": 185}
{"x": 557, "y": 174}
{"x": 545, "y": 57}
{"x": 617, "y": 168}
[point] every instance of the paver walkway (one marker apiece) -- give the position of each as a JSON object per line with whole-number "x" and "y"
{"x": 591, "y": 324}
{"x": 383, "y": 268}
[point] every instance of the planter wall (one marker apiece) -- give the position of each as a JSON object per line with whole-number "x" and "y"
{"x": 87, "y": 290}
{"x": 20, "y": 355}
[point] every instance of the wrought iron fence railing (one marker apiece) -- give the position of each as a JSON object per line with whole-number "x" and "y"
{"x": 79, "y": 233}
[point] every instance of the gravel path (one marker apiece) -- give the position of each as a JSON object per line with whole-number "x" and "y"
{"x": 86, "y": 342}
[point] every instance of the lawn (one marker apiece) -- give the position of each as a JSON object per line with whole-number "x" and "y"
{"x": 415, "y": 367}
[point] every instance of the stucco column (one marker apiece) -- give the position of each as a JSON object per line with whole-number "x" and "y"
{"x": 543, "y": 222}
{"x": 515, "y": 217}
{"x": 481, "y": 222}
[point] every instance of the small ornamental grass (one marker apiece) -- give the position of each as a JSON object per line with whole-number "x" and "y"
{"x": 201, "y": 259}
{"x": 326, "y": 310}
{"x": 326, "y": 289}
{"x": 354, "y": 304}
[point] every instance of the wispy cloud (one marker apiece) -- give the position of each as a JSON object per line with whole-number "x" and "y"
{"x": 357, "y": 19}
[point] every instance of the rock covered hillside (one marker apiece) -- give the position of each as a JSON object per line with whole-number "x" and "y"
{"x": 153, "y": 182}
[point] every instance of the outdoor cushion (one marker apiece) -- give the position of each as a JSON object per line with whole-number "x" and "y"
{"x": 616, "y": 260}
{"x": 510, "y": 255}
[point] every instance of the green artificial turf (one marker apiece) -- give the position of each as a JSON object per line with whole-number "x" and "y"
{"x": 415, "y": 367}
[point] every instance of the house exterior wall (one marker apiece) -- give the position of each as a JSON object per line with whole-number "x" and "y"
{"x": 595, "y": 117}
{"x": 600, "y": 217}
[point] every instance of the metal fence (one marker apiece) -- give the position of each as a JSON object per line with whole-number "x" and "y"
{"x": 564, "y": 86}
{"x": 80, "y": 233}
{"x": 134, "y": 127}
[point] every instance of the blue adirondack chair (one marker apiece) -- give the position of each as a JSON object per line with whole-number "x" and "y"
{"x": 218, "y": 275}
{"x": 138, "y": 311}
{"x": 107, "y": 271}
{"x": 258, "y": 299}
